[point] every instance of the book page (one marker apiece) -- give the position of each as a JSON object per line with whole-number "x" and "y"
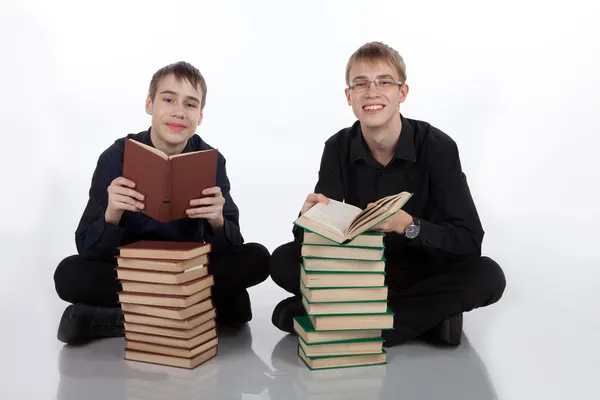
{"x": 382, "y": 210}
{"x": 335, "y": 214}
{"x": 151, "y": 149}
{"x": 375, "y": 209}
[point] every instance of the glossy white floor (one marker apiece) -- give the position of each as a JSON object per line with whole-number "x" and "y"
{"x": 540, "y": 341}
{"x": 515, "y": 83}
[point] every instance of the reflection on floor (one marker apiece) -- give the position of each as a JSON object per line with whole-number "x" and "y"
{"x": 414, "y": 371}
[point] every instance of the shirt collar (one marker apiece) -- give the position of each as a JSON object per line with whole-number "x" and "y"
{"x": 405, "y": 149}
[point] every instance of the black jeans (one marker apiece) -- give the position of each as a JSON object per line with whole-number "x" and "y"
{"x": 79, "y": 280}
{"x": 421, "y": 293}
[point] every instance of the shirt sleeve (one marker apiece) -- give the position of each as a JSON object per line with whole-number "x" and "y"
{"x": 230, "y": 233}
{"x": 329, "y": 183}
{"x": 458, "y": 231}
{"x": 94, "y": 237}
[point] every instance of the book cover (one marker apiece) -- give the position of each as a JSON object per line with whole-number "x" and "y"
{"x": 168, "y": 183}
{"x": 166, "y": 250}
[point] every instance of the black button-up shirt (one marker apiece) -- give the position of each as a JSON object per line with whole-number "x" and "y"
{"x": 97, "y": 239}
{"x": 426, "y": 162}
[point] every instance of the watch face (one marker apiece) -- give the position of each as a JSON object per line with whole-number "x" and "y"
{"x": 412, "y": 231}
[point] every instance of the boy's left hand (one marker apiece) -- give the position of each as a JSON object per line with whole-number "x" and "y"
{"x": 210, "y": 208}
{"x": 397, "y": 223}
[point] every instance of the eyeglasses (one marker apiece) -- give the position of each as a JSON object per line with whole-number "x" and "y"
{"x": 384, "y": 83}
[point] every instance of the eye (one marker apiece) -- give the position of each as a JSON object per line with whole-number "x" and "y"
{"x": 386, "y": 82}
{"x": 191, "y": 105}
{"x": 167, "y": 99}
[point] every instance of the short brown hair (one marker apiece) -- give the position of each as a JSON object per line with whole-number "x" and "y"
{"x": 181, "y": 70}
{"x": 377, "y": 51}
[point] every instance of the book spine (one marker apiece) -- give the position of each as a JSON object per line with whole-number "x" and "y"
{"x": 165, "y": 211}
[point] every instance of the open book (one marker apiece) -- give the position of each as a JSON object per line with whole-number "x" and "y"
{"x": 342, "y": 222}
{"x": 168, "y": 183}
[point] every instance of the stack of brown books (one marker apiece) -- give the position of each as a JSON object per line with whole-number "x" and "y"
{"x": 167, "y": 304}
{"x": 345, "y": 297}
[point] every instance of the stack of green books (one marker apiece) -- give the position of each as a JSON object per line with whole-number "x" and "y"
{"x": 345, "y": 298}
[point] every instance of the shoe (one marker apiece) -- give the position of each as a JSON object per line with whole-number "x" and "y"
{"x": 82, "y": 322}
{"x": 285, "y": 311}
{"x": 392, "y": 337}
{"x": 448, "y": 332}
{"x": 234, "y": 310}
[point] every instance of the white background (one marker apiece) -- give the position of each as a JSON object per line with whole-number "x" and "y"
{"x": 515, "y": 83}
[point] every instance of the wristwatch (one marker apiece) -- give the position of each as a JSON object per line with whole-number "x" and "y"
{"x": 413, "y": 229}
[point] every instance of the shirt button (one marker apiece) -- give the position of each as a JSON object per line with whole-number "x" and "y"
{"x": 383, "y": 174}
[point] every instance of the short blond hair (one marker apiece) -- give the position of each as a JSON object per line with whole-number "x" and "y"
{"x": 377, "y": 51}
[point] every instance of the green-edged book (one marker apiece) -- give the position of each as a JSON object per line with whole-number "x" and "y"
{"x": 325, "y": 362}
{"x": 344, "y": 307}
{"x": 336, "y": 294}
{"x": 341, "y": 279}
{"x": 340, "y": 322}
{"x": 304, "y": 328}
{"x": 342, "y": 222}
{"x": 347, "y": 348}
{"x": 343, "y": 252}
{"x": 343, "y": 265}
{"x": 366, "y": 239}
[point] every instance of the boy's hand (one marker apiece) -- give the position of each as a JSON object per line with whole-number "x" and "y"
{"x": 122, "y": 197}
{"x": 210, "y": 208}
{"x": 397, "y": 223}
{"x": 313, "y": 199}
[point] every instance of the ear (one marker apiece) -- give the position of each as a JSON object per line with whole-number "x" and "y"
{"x": 347, "y": 92}
{"x": 403, "y": 93}
{"x": 148, "y": 105}
{"x": 200, "y": 119}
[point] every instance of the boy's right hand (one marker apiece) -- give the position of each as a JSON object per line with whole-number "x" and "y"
{"x": 122, "y": 197}
{"x": 313, "y": 199}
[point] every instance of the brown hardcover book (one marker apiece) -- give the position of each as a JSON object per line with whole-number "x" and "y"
{"x": 152, "y": 301}
{"x": 168, "y": 183}
{"x": 170, "y": 332}
{"x": 170, "y": 341}
{"x": 170, "y": 323}
{"x": 185, "y": 289}
{"x": 163, "y": 265}
{"x": 164, "y": 250}
{"x": 165, "y": 278}
{"x": 172, "y": 351}
{"x": 181, "y": 362}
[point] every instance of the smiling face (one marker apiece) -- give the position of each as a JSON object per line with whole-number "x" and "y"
{"x": 176, "y": 112}
{"x": 376, "y": 107}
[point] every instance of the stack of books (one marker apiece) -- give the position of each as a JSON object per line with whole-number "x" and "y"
{"x": 342, "y": 281}
{"x": 345, "y": 297}
{"x": 169, "y": 315}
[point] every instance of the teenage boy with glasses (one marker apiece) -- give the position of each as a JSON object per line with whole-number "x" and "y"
{"x": 434, "y": 269}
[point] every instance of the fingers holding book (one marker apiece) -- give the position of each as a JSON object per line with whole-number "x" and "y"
{"x": 121, "y": 197}
{"x": 210, "y": 207}
{"x": 311, "y": 200}
{"x": 397, "y": 223}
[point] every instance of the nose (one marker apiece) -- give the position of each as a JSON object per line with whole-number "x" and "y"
{"x": 177, "y": 111}
{"x": 372, "y": 90}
